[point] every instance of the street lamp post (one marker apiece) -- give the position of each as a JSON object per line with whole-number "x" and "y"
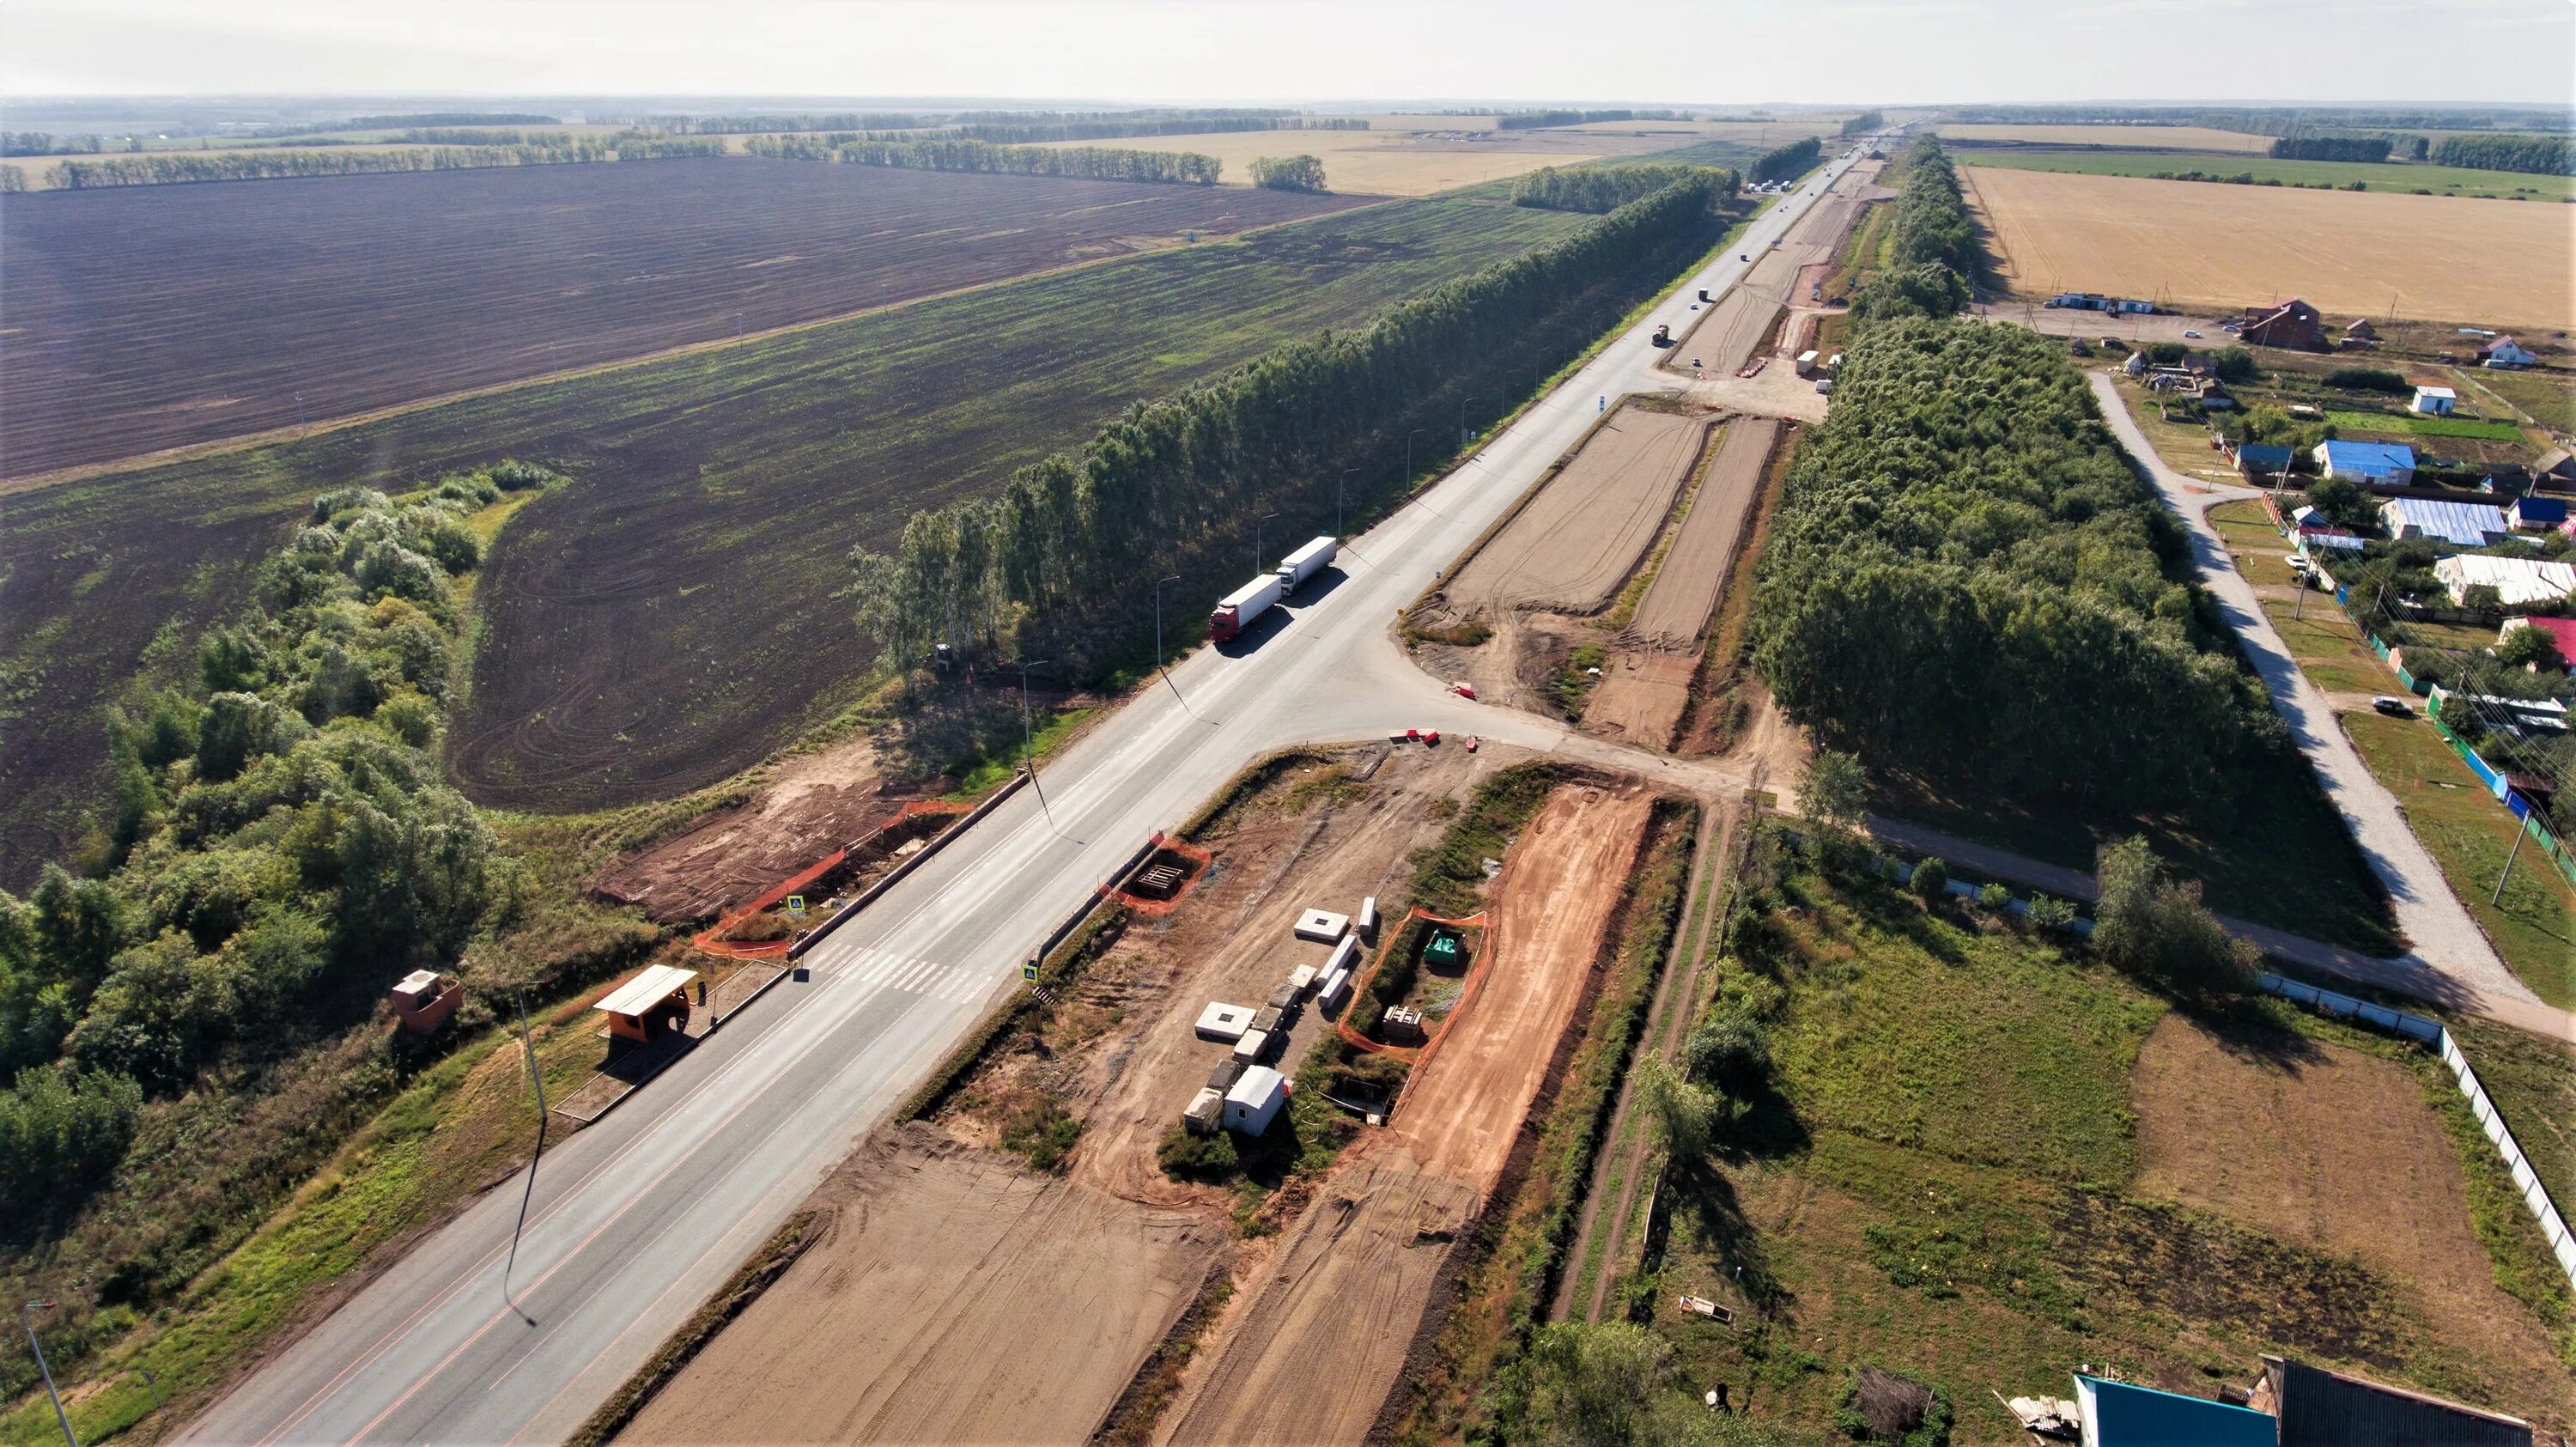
{"x": 1462, "y": 419}
{"x": 1028, "y": 743}
{"x": 1256, "y": 540}
{"x": 1158, "y": 636}
{"x": 27, "y": 1318}
{"x": 1408, "y": 453}
{"x": 1338, "y": 488}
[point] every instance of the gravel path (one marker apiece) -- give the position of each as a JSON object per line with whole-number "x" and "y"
{"x": 2444, "y": 935}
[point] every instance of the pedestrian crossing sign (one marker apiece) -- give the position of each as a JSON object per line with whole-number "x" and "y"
{"x": 1029, "y": 972}
{"x": 795, "y": 904}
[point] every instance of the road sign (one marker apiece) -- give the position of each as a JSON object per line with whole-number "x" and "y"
{"x": 795, "y": 904}
{"x": 1029, "y": 971}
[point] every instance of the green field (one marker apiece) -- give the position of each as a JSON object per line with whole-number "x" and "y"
{"x": 2549, "y": 398}
{"x": 2424, "y": 426}
{"x": 1944, "y": 1176}
{"x": 2387, "y": 176}
{"x": 676, "y": 612}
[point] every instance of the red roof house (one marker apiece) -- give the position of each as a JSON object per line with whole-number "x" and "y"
{"x": 2293, "y": 324}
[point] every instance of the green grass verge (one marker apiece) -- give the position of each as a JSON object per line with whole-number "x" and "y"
{"x": 2424, "y": 426}
{"x": 2386, "y": 176}
{"x": 2469, "y": 834}
{"x": 2329, "y": 647}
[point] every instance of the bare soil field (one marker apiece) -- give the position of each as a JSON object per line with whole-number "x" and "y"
{"x": 2198, "y": 245}
{"x": 1645, "y": 686}
{"x": 2181, "y": 138}
{"x": 2335, "y": 1150}
{"x": 1722, "y": 338}
{"x": 1311, "y": 1356}
{"x": 675, "y": 612}
{"x": 150, "y": 317}
{"x": 1580, "y": 538}
{"x": 1677, "y": 604}
{"x": 958, "y": 1294}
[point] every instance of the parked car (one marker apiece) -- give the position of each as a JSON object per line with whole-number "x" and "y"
{"x": 2393, "y": 707}
{"x": 2188, "y": 332}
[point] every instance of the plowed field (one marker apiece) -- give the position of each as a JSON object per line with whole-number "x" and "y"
{"x": 676, "y": 612}
{"x": 1578, "y": 540}
{"x": 149, "y": 317}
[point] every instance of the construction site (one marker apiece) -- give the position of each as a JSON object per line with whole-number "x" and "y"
{"x": 1247, "y": 1264}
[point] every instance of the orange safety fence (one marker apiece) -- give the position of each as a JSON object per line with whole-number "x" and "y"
{"x": 1157, "y": 908}
{"x": 711, "y": 940}
{"x": 1415, "y": 1054}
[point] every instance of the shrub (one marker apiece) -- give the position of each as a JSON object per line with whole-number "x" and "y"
{"x": 1186, "y": 1155}
{"x": 1994, "y": 897}
{"x": 1288, "y": 173}
{"x": 2370, "y": 379}
{"x": 2153, "y": 926}
{"x": 2234, "y": 364}
{"x": 1931, "y": 879}
{"x": 1882, "y": 1406}
{"x": 1731, "y": 1050}
{"x": 2527, "y": 646}
{"x": 2048, "y": 912}
{"x": 61, "y": 1131}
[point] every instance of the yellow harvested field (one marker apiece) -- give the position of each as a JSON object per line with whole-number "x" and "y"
{"x": 2191, "y": 138}
{"x": 2201, "y": 245}
{"x": 1748, "y": 133}
{"x": 1371, "y": 163}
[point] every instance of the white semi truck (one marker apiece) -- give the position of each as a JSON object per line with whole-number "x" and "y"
{"x": 1306, "y": 562}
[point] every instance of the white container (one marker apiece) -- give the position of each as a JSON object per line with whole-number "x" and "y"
{"x": 1224, "y": 1022}
{"x": 1368, "y": 915}
{"x": 1322, "y": 926}
{"x": 1249, "y": 1048}
{"x": 1337, "y": 988}
{"x": 1346, "y": 956}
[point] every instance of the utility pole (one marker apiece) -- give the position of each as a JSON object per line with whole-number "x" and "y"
{"x": 1028, "y": 748}
{"x": 1408, "y": 453}
{"x": 1256, "y": 540}
{"x": 1462, "y": 419}
{"x": 528, "y": 1047}
{"x": 27, "y": 1318}
{"x": 300, "y": 423}
{"x": 1338, "y": 489}
{"x": 1158, "y": 637}
{"x": 2497, "y": 901}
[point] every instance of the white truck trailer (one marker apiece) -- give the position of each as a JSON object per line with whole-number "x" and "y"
{"x": 1306, "y": 562}
{"x": 1236, "y": 610}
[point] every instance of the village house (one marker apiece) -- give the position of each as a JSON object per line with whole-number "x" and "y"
{"x": 2462, "y": 524}
{"x": 2389, "y": 462}
{"x": 2518, "y": 582}
{"x": 2505, "y": 352}
{"x": 2293, "y": 325}
{"x": 2434, "y": 401}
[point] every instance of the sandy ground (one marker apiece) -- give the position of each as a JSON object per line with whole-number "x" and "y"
{"x": 813, "y": 804}
{"x": 1400, "y": 162}
{"x": 1312, "y": 1353}
{"x": 1585, "y": 532}
{"x": 2195, "y": 245}
{"x": 959, "y": 1296}
{"x": 2336, "y": 1150}
{"x": 1646, "y": 685}
{"x": 1678, "y": 603}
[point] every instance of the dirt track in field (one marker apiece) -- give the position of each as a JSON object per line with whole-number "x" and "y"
{"x": 2336, "y": 1150}
{"x": 1313, "y": 1352}
{"x": 150, "y": 317}
{"x": 958, "y": 1295}
{"x": 1578, "y": 540}
{"x": 1724, "y": 335}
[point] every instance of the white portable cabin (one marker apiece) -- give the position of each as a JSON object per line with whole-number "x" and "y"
{"x": 1255, "y": 1100}
{"x": 1306, "y": 562}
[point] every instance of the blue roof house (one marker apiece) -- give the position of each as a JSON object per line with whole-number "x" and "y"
{"x": 2392, "y": 462}
{"x": 2536, "y": 513}
{"x": 2117, "y": 1414}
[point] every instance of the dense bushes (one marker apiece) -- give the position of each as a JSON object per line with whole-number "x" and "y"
{"x": 1864, "y": 123}
{"x": 174, "y": 167}
{"x": 1783, "y": 162}
{"x": 2532, "y": 155}
{"x": 1288, "y": 173}
{"x": 1933, "y": 255}
{"x": 1056, "y": 565}
{"x": 1967, "y": 579}
{"x": 281, "y": 831}
{"x": 2370, "y": 379}
{"x": 2373, "y": 149}
{"x": 1600, "y": 189}
{"x": 1092, "y": 163}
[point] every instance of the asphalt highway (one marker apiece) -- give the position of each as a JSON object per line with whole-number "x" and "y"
{"x": 639, "y": 1217}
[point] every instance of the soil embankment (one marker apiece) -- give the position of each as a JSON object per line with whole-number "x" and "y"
{"x": 1311, "y": 1356}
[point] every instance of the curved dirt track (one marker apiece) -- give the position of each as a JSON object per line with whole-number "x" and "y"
{"x": 1311, "y": 1357}
{"x": 1581, "y": 537}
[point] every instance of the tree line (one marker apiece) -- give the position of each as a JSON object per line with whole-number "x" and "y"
{"x": 280, "y": 833}
{"x": 1864, "y": 123}
{"x": 2531, "y": 155}
{"x": 1058, "y": 564}
{"x": 2372, "y": 149}
{"x": 181, "y": 167}
{"x": 1599, "y": 189}
{"x": 41, "y": 143}
{"x": 1095, "y": 163}
{"x": 1933, "y": 254}
{"x": 1783, "y": 162}
{"x": 1002, "y": 133}
{"x": 1542, "y": 120}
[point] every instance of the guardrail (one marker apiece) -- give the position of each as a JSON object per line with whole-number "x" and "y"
{"x": 894, "y": 876}
{"x": 2535, "y": 1195}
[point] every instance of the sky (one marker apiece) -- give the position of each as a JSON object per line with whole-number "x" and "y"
{"x": 1706, "y": 52}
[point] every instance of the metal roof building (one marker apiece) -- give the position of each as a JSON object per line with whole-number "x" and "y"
{"x": 2118, "y": 1414}
{"x": 2468, "y": 524}
{"x": 2518, "y": 582}
{"x": 2367, "y": 461}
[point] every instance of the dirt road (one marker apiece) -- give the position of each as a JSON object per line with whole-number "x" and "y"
{"x": 1725, "y": 335}
{"x": 1579, "y": 539}
{"x": 1311, "y": 1355}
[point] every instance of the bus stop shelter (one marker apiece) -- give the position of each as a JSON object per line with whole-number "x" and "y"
{"x": 657, "y": 995}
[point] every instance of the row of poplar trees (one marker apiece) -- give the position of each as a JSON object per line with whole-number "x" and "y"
{"x": 1063, "y": 562}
